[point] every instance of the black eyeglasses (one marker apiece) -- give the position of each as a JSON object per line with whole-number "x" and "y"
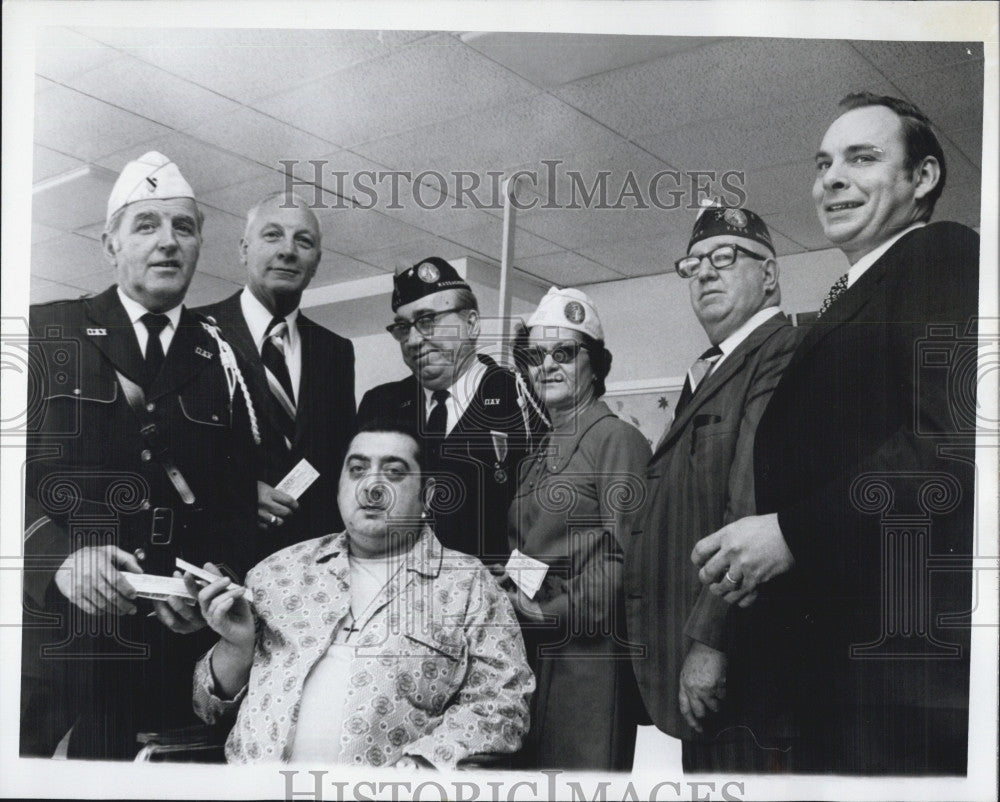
{"x": 561, "y": 353}
{"x": 425, "y": 325}
{"x": 722, "y": 257}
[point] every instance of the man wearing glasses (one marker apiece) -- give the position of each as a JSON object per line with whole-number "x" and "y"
{"x": 475, "y": 422}
{"x": 701, "y": 477}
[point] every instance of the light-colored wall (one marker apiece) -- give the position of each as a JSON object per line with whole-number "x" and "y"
{"x": 652, "y": 332}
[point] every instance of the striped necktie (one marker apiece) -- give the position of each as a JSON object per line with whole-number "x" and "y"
{"x": 695, "y": 376}
{"x": 279, "y": 380}
{"x": 835, "y": 291}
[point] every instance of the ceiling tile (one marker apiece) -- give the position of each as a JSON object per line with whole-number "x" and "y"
{"x": 640, "y": 257}
{"x": 75, "y": 202}
{"x": 353, "y": 231}
{"x": 80, "y": 126}
{"x": 67, "y": 257}
{"x": 150, "y": 92}
{"x": 398, "y": 257}
{"x": 487, "y": 239}
{"x": 969, "y": 142}
{"x": 40, "y": 233}
{"x": 62, "y": 54}
{"x": 220, "y": 245}
{"x": 206, "y": 167}
{"x": 579, "y": 228}
{"x": 800, "y": 225}
{"x": 567, "y": 269}
{"x": 43, "y": 290}
{"x": 260, "y": 138}
{"x": 207, "y": 289}
{"x": 717, "y": 81}
{"x": 961, "y": 198}
{"x": 435, "y": 79}
{"x": 909, "y": 58}
{"x": 768, "y": 190}
{"x": 549, "y": 60}
{"x": 951, "y": 96}
{"x": 336, "y": 267}
{"x": 257, "y": 62}
{"x": 48, "y": 163}
{"x": 237, "y": 199}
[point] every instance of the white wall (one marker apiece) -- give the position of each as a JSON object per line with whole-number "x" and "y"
{"x": 652, "y": 332}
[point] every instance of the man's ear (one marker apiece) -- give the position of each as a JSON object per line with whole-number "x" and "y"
{"x": 770, "y": 267}
{"x": 926, "y": 176}
{"x": 243, "y": 250}
{"x": 430, "y": 487}
{"x": 108, "y": 246}
{"x": 473, "y": 319}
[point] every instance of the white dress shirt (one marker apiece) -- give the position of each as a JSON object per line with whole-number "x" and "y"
{"x": 460, "y": 394}
{"x": 859, "y": 267}
{"x": 258, "y": 318}
{"x": 732, "y": 342}
{"x": 136, "y": 310}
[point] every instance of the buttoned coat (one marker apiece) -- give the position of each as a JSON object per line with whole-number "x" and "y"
{"x": 475, "y": 465}
{"x": 699, "y": 479}
{"x": 439, "y": 671}
{"x": 324, "y": 419}
{"x": 92, "y": 478}
{"x": 865, "y": 454}
{"x": 575, "y": 510}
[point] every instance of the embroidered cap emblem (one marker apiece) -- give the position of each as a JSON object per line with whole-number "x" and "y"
{"x": 574, "y": 311}
{"x": 428, "y": 273}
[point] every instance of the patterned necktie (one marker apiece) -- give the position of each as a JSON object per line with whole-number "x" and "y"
{"x": 838, "y": 287}
{"x": 695, "y": 375}
{"x": 279, "y": 380}
{"x": 154, "y": 347}
{"x": 437, "y": 422}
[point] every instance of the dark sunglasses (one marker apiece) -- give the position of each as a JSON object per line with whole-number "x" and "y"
{"x": 561, "y": 353}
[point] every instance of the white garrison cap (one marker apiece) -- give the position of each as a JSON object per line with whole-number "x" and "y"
{"x": 569, "y": 308}
{"x": 151, "y": 176}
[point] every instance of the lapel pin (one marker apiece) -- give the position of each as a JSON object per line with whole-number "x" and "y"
{"x": 202, "y": 352}
{"x": 97, "y": 332}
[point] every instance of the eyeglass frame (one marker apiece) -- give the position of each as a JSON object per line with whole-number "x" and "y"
{"x": 420, "y": 324}
{"x": 564, "y": 346}
{"x": 733, "y": 245}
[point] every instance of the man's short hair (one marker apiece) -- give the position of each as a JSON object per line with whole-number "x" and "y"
{"x": 918, "y": 136}
{"x": 466, "y": 299}
{"x": 289, "y": 200}
{"x": 396, "y": 426}
{"x": 111, "y": 227}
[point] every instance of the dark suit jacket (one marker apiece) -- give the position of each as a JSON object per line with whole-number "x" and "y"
{"x": 865, "y": 454}
{"x": 699, "y": 479}
{"x": 324, "y": 421}
{"x": 91, "y": 478}
{"x": 475, "y": 482}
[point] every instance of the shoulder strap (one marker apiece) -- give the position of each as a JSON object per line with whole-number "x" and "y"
{"x": 151, "y": 437}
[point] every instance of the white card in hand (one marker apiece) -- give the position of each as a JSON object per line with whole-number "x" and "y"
{"x": 298, "y": 480}
{"x": 151, "y": 586}
{"x": 527, "y": 572}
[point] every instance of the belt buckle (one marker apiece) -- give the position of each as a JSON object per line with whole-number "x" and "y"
{"x": 162, "y": 526}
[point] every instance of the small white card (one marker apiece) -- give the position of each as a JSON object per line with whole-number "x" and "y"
{"x": 527, "y": 572}
{"x": 298, "y": 480}
{"x": 151, "y": 586}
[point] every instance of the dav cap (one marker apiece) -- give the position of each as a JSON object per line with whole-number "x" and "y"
{"x": 571, "y": 309}
{"x": 150, "y": 177}
{"x": 431, "y": 275}
{"x": 715, "y": 221}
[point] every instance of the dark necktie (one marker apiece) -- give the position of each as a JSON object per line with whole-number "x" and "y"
{"x": 154, "y": 324}
{"x": 437, "y": 422}
{"x": 838, "y": 287}
{"x": 695, "y": 375}
{"x": 279, "y": 380}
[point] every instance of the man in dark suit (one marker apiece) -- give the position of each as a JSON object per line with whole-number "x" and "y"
{"x": 139, "y": 452}
{"x": 701, "y": 477}
{"x": 864, "y": 470}
{"x": 476, "y": 418}
{"x": 301, "y": 374}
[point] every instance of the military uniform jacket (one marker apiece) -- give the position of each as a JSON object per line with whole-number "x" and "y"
{"x": 324, "y": 420}
{"x": 475, "y": 469}
{"x": 92, "y": 478}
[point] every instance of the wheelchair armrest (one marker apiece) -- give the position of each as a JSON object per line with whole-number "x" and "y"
{"x": 482, "y": 761}
{"x": 199, "y": 743}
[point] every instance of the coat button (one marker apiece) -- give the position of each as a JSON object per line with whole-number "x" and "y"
{"x": 150, "y": 407}
{"x": 215, "y": 418}
{"x": 139, "y": 554}
{"x": 76, "y": 391}
{"x": 145, "y": 505}
{"x": 146, "y": 455}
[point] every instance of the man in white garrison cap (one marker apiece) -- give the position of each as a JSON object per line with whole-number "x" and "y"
{"x": 140, "y": 450}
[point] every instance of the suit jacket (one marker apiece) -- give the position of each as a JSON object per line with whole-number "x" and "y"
{"x": 476, "y": 472}
{"x": 93, "y": 478}
{"x": 865, "y": 453}
{"x": 324, "y": 420}
{"x": 699, "y": 479}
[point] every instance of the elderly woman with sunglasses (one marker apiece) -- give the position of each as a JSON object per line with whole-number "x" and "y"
{"x": 569, "y": 523}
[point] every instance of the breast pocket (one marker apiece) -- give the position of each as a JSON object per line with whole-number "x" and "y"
{"x": 429, "y": 671}
{"x": 205, "y": 408}
{"x": 80, "y": 414}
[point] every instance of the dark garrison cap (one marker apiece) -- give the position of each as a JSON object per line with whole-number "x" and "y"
{"x": 716, "y": 221}
{"x": 426, "y": 277}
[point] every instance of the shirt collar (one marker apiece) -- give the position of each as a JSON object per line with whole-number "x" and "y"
{"x": 258, "y": 318}
{"x": 732, "y": 342}
{"x": 136, "y": 310}
{"x": 463, "y": 390}
{"x": 859, "y": 267}
{"x": 424, "y": 558}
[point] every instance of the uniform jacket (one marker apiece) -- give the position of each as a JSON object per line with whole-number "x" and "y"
{"x": 476, "y": 473}
{"x": 867, "y": 443}
{"x": 441, "y": 680}
{"x": 699, "y": 479}
{"x": 324, "y": 420}
{"x": 92, "y": 479}
{"x": 575, "y": 510}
